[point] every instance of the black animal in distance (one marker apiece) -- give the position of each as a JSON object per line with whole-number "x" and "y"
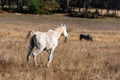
{"x": 86, "y": 37}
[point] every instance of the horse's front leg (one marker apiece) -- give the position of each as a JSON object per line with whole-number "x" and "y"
{"x": 39, "y": 50}
{"x": 50, "y": 57}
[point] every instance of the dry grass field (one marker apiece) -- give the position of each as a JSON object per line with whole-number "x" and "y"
{"x": 75, "y": 60}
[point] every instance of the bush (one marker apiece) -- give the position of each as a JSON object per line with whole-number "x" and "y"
{"x": 19, "y": 9}
{"x": 34, "y": 7}
{"x": 0, "y": 9}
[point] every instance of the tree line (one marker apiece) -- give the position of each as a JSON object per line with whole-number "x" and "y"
{"x": 64, "y": 6}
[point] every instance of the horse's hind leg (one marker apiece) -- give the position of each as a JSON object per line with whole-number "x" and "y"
{"x": 28, "y": 54}
{"x": 30, "y": 48}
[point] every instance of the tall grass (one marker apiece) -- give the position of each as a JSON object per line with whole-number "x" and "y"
{"x": 75, "y": 60}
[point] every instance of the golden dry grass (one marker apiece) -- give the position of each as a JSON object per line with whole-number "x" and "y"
{"x": 75, "y": 60}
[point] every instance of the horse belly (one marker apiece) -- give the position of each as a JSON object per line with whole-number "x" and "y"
{"x": 49, "y": 42}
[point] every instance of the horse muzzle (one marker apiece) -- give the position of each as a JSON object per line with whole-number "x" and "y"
{"x": 65, "y": 39}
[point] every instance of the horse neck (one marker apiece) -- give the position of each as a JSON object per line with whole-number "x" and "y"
{"x": 59, "y": 32}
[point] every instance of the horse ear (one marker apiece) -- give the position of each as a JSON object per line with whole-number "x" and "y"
{"x": 61, "y": 24}
{"x": 64, "y": 24}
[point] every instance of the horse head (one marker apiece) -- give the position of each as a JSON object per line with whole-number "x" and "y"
{"x": 64, "y": 32}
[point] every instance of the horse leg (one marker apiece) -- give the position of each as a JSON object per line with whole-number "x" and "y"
{"x": 35, "y": 54}
{"x": 50, "y": 56}
{"x": 80, "y": 38}
{"x": 28, "y": 54}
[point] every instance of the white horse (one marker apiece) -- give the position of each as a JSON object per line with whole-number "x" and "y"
{"x": 45, "y": 41}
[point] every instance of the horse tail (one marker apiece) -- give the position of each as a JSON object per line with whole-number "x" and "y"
{"x": 27, "y": 36}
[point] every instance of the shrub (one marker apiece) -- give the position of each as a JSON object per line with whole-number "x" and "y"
{"x": 34, "y": 7}
{"x": 0, "y": 9}
{"x": 19, "y": 9}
